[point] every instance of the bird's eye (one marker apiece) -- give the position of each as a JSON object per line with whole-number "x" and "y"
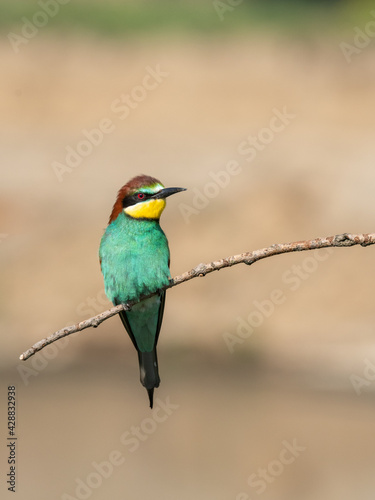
{"x": 141, "y": 196}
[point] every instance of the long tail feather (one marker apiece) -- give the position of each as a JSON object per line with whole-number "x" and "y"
{"x": 149, "y": 374}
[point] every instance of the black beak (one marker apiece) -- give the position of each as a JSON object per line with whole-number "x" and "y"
{"x": 164, "y": 193}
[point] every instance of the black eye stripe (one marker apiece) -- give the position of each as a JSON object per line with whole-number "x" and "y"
{"x": 133, "y": 199}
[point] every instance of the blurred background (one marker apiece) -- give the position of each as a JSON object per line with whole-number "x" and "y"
{"x": 264, "y": 111}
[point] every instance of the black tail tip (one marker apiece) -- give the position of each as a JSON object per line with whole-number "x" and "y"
{"x": 151, "y": 396}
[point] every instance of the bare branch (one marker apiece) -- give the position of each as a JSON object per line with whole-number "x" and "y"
{"x": 341, "y": 240}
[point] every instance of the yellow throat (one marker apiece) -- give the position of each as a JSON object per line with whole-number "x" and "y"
{"x": 151, "y": 209}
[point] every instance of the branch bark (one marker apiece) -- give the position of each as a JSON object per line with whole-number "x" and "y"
{"x": 248, "y": 258}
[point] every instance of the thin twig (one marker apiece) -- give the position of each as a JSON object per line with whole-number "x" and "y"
{"x": 341, "y": 240}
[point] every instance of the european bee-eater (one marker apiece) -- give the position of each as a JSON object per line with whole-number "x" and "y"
{"x": 134, "y": 258}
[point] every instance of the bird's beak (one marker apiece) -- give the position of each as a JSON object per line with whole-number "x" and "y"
{"x": 164, "y": 193}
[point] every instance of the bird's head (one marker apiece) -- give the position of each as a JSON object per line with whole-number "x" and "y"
{"x": 143, "y": 197}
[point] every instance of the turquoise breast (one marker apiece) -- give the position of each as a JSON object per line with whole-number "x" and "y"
{"x": 134, "y": 257}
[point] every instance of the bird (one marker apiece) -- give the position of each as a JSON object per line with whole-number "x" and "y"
{"x": 134, "y": 258}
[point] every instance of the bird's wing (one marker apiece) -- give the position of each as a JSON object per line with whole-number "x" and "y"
{"x": 125, "y": 320}
{"x": 160, "y": 315}
{"x": 127, "y": 326}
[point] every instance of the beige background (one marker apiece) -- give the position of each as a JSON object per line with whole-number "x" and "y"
{"x": 291, "y": 378}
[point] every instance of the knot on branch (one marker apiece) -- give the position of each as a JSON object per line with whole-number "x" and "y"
{"x": 199, "y": 270}
{"x": 343, "y": 240}
{"x": 248, "y": 261}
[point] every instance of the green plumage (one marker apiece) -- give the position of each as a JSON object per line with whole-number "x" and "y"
{"x": 134, "y": 254}
{"x": 134, "y": 258}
